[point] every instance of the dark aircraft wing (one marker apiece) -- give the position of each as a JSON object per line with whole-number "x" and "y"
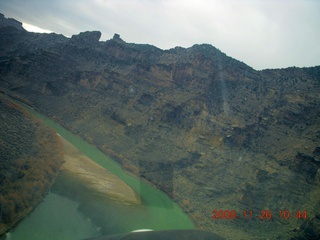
{"x": 163, "y": 235}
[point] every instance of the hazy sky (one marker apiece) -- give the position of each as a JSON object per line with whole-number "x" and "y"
{"x": 261, "y": 33}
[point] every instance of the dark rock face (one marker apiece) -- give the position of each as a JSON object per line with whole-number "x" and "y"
{"x": 307, "y": 166}
{"x": 10, "y": 22}
{"x": 86, "y": 37}
{"x": 116, "y": 37}
{"x": 316, "y": 154}
{"x": 209, "y": 130}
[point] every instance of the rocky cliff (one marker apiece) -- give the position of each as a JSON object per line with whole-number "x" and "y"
{"x": 207, "y": 129}
{"x": 5, "y": 22}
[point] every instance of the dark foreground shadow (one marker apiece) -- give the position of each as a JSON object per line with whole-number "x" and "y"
{"x": 163, "y": 235}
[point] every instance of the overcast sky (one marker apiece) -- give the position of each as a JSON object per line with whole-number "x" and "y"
{"x": 261, "y": 33}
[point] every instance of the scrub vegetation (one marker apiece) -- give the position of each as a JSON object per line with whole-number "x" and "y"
{"x": 30, "y": 158}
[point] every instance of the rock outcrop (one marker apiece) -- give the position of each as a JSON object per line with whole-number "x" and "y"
{"x": 86, "y": 37}
{"x": 10, "y": 22}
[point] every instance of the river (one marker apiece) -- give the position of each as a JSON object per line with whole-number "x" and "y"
{"x": 70, "y": 212}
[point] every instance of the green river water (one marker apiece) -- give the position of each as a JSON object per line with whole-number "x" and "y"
{"x": 70, "y": 212}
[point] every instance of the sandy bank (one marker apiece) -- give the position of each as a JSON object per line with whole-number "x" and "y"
{"x": 96, "y": 177}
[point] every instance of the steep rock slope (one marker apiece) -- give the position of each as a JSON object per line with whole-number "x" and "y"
{"x": 210, "y": 131}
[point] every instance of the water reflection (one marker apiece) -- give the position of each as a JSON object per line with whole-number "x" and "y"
{"x": 57, "y": 217}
